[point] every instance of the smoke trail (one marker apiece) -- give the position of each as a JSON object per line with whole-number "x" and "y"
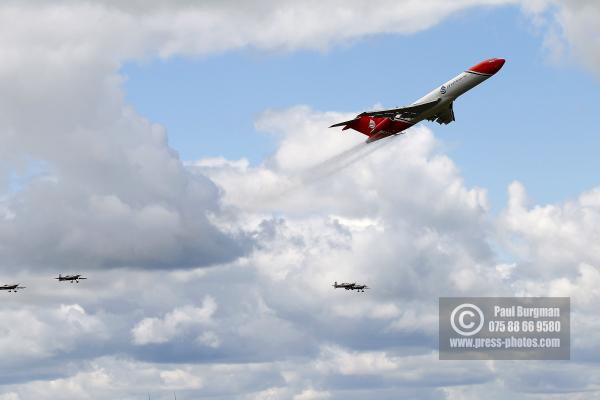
{"x": 338, "y": 162}
{"x": 326, "y": 168}
{"x": 300, "y": 179}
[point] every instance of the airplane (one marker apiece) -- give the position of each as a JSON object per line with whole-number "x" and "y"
{"x": 11, "y": 288}
{"x": 436, "y": 105}
{"x": 70, "y": 278}
{"x": 350, "y": 286}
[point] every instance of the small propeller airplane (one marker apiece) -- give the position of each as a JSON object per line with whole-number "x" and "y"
{"x": 350, "y": 286}
{"x": 434, "y": 106}
{"x": 70, "y": 278}
{"x": 11, "y": 288}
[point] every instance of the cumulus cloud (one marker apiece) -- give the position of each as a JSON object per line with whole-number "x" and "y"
{"x": 570, "y": 30}
{"x": 330, "y": 231}
{"x": 29, "y": 333}
{"x": 557, "y": 254}
{"x": 366, "y": 205}
{"x": 552, "y": 238}
{"x": 176, "y": 322}
{"x": 110, "y": 191}
{"x": 310, "y": 394}
{"x": 187, "y": 27}
{"x": 276, "y": 306}
{"x": 287, "y": 331}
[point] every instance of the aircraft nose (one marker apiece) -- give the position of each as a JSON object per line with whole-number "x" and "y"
{"x": 488, "y": 67}
{"x": 499, "y": 63}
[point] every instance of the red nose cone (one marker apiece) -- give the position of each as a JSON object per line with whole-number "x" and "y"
{"x": 488, "y": 67}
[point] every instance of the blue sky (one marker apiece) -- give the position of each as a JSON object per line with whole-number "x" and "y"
{"x": 533, "y": 122}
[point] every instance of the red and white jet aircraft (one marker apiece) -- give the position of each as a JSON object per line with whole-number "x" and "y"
{"x": 434, "y": 106}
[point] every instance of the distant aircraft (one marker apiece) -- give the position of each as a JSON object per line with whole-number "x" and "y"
{"x": 70, "y": 278}
{"x": 434, "y": 106}
{"x": 11, "y": 288}
{"x": 350, "y": 286}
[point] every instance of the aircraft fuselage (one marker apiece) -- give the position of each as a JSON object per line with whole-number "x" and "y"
{"x": 378, "y": 127}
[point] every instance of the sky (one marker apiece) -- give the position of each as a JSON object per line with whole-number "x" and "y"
{"x": 210, "y": 104}
{"x": 178, "y": 154}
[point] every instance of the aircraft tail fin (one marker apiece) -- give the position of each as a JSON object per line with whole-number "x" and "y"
{"x": 362, "y": 123}
{"x": 346, "y": 124}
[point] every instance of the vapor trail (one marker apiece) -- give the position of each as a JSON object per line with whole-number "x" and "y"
{"x": 326, "y": 168}
{"x": 338, "y": 162}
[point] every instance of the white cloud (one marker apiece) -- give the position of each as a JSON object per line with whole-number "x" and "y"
{"x": 392, "y": 188}
{"x": 190, "y": 28}
{"x": 276, "y": 304}
{"x": 210, "y": 339}
{"x": 311, "y": 394}
{"x": 273, "y": 393}
{"x": 355, "y": 363}
{"x": 579, "y": 22}
{"x": 181, "y": 379}
{"x": 308, "y": 246}
{"x": 552, "y": 239}
{"x": 570, "y": 29}
{"x": 31, "y": 333}
{"x": 176, "y": 322}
